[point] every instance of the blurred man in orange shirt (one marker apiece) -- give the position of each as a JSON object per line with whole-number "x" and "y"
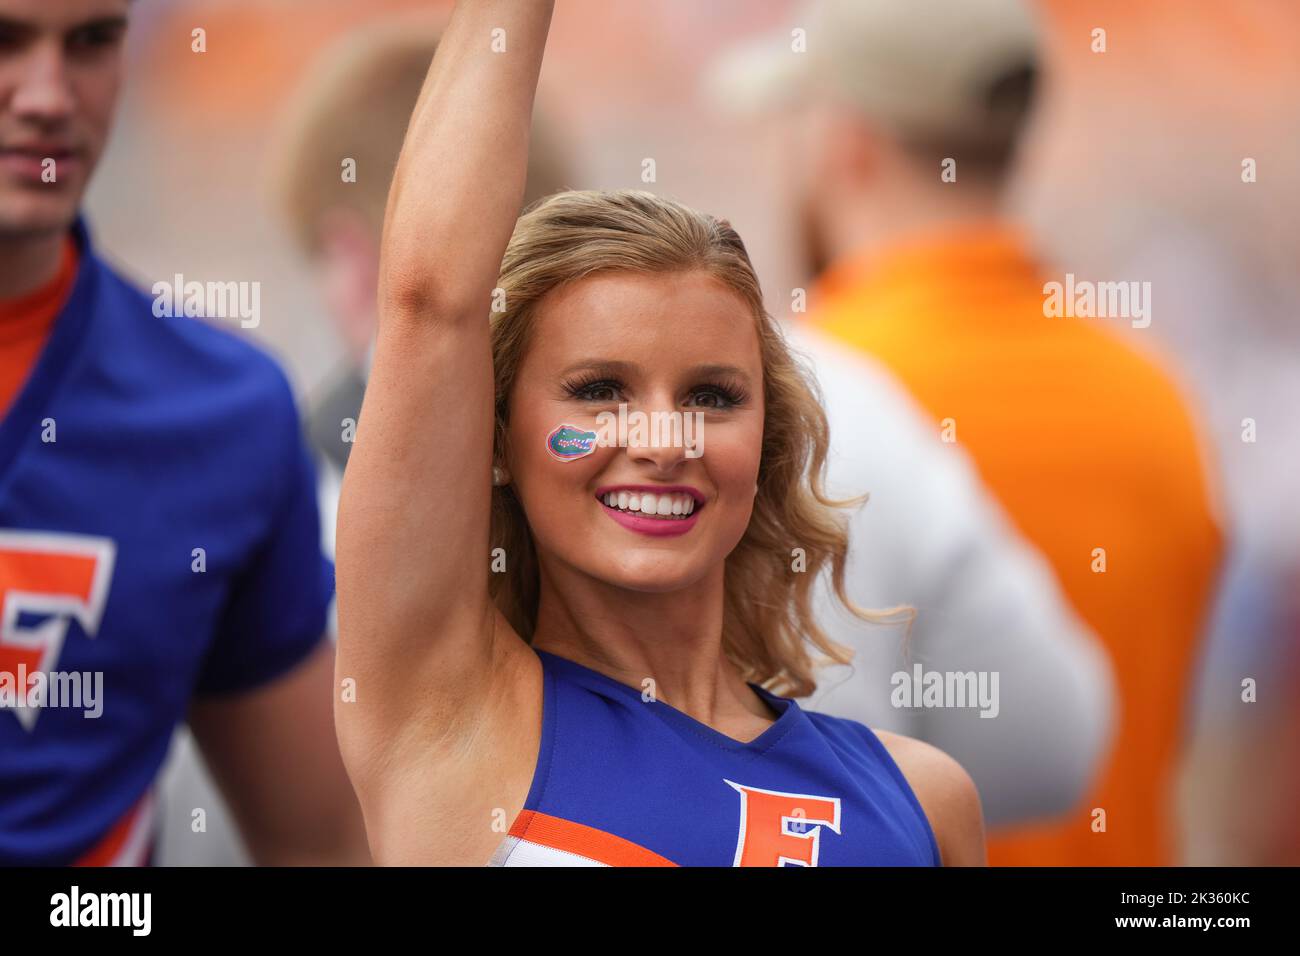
{"x": 905, "y": 121}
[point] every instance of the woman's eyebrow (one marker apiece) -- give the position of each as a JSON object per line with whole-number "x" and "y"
{"x": 609, "y": 366}
{"x": 734, "y": 371}
{"x": 620, "y": 367}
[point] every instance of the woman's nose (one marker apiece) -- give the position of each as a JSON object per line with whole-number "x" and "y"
{"x": 657, "y": 434}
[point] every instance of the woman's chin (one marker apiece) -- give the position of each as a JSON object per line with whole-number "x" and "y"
{"x": 651, "y": 573}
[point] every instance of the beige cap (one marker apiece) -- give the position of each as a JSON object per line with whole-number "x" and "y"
{"x": 922, "y": 67}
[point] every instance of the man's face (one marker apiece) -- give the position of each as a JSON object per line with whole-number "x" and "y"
{"x": 60, "y": 69}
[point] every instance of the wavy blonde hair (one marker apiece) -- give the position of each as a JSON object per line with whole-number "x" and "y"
{"x": 769, "y": 628}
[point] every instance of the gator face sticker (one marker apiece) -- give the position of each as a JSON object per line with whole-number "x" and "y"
{"x": 567, "y": 442}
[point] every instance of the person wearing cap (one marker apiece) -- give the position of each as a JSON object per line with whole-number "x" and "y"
{"x": 906, "y": 122}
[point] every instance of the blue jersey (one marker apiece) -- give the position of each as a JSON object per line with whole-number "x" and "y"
{"x": 159, "y": 538}
{"x": 622, "y": 780}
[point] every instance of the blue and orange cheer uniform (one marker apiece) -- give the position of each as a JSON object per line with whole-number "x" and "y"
{"x": 626, "y": 780}
{"x": 159, "y": 538}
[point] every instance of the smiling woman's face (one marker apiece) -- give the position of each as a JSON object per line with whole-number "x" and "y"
{"x": 674, "y": 342}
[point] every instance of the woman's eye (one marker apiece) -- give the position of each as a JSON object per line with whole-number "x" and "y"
{"x": 715, "y": 398}
{"x": 596, "y": 392}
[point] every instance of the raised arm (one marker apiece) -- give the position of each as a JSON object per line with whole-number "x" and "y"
{"x": 461, "y": 175}
{"x": 415, "y": 617}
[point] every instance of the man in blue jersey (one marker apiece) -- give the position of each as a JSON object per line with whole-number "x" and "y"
{"x": 159, "y": 535}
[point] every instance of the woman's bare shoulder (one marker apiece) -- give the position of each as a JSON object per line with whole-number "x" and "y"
{"x": 946, "y": 794}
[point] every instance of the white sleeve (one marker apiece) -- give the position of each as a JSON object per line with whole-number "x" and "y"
{"x": 329, "y": 480}
{"x": 987, "y": 603}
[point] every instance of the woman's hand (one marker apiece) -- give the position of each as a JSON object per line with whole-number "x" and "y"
{"x": 461, "y": 176}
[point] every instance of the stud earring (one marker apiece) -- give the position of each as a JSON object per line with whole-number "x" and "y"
{"x": 498, "y": 475}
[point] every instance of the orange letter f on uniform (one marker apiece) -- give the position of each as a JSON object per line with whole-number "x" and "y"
{"x": 777, "y": 828}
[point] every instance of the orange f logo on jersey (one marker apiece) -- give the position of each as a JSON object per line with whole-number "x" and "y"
{"x": 60, "y": 577}
{"x": 777, "y": 828}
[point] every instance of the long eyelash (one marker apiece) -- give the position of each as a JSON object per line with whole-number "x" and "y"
{"x": 732, "y": 392}
{"x": 576, "y": 386}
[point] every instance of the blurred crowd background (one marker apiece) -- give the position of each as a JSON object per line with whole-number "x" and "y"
{"x": 1132, "y": 170}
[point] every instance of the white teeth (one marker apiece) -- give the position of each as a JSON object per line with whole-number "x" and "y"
{"x": 648, "y": 503}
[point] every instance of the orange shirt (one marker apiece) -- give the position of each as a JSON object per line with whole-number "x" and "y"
{"x": 25, "y": 324}
{"x": 1088, "y": 445}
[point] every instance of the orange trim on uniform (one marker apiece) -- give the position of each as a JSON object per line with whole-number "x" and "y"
{"x": 124, "y": 844}
{"x": 594, "y": 844}
{"x": 25, "y": 324}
